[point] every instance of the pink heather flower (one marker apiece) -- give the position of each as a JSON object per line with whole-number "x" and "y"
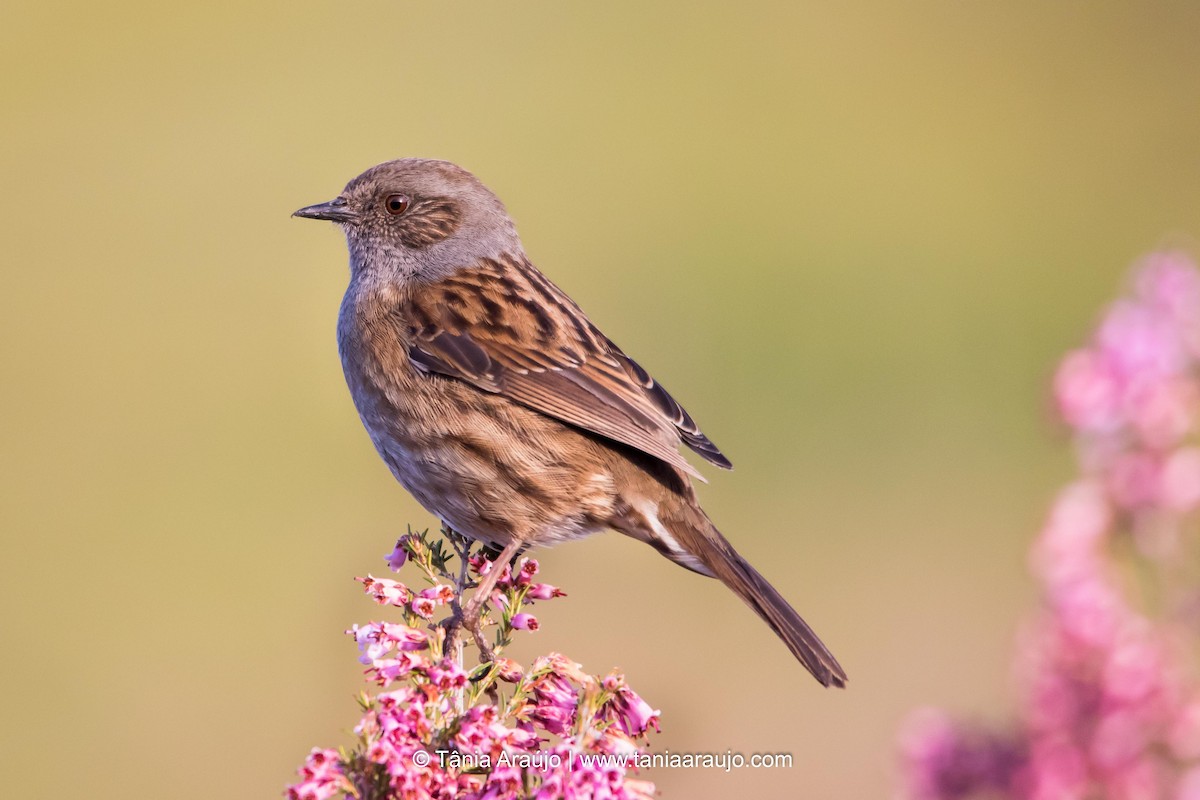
{"x": 552, "y": 788}
{"x": 504, "y": 782}
{"x": 508, "y": 670}
{"x": 386, "y": 592}
{"x": 554, "y": 719}
{"x": 377, "y": 640}
{"x": 529, "y": 568}
{"x": 565, "y": 667}
{"x": 389, "y": 670}
{"x": 321, "y": 777}
{"x": 554, "y": 700}
{"x": 395, "y": 559}
{"x": 446, "y": 675}
{"x": 403, "y": 703}
{"x": 440, "y": 594}
{"x": 483, "y": 567}
{"x": 403, "y": 637}
{"x": 479, "y": 732}
{"x": 369, "y": 643}
{"x": 543, "y": 591}
{"x": 525, "y": 622}
{"x": 552, "y": 689}
{"x": 427, "y": 705}
{"x": 616, "y": 741}
{"x": 423, "y": 607}
{"x": 629, "y": 711}
{"x": 522, "y": 739}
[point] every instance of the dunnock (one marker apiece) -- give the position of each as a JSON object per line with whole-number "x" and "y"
{"x": 501, "y": 407}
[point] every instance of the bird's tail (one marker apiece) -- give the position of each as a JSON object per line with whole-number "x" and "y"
{"x": 703, "y": 541}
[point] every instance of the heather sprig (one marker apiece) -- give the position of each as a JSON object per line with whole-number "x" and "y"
{"x": 436, "y": 729}
{"x": 1110, "y": 696}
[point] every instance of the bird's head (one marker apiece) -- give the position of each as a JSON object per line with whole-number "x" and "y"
{"x": 418, "y": 219}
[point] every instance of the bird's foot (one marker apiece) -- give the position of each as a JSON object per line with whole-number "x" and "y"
{"x": 473, "y": 611}
{"x": 472, "y": 621}
{"x": 452, "y": 625}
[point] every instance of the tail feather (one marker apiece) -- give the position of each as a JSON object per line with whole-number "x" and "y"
{"x": 735, "y": 572}
{"x": 789, "y": 626}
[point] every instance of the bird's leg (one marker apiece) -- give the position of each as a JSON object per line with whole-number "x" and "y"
{"x": 473, "y": 612}
{"x": 492, "y": 553}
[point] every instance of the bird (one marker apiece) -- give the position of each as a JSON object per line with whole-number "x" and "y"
{"x": 499, "y": 405}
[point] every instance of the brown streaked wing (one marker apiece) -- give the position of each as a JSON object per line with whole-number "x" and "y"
{"x": 506, "y": 329}
{"x": 692, "y": 436}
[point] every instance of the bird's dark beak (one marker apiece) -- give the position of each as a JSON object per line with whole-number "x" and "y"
{"x": 336, "y": 210}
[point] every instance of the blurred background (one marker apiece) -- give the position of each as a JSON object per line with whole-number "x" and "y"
{"x": 852, "y": 238}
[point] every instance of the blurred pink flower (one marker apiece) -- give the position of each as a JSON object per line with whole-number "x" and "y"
{"x": 1139, "y": 343}
{"x": 1088, "y": 610}
{"x": 1088, "y": 391}
{"x": 1108, "y": 703}
{"x": 1069, "y": 545}
{"x": 1162, "y": 412}
{"x": 1056, "y": 771}
{"x": 947, "y": 761}
{"x": 1133, "y": 479}
{"x": 1189, "y": 786}
{"x": 1183, "y": 735}
{"x": 1169, "y": 283}
{"x": 1179, "y": 484}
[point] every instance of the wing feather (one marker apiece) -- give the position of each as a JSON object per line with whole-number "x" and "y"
{"x": 505, "y": 329}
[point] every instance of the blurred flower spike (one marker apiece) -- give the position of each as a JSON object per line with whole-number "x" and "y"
{"x": 498, "y": 731}
{"x": 1110, "y": 698}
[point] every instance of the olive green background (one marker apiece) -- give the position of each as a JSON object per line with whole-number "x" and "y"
{"x": 853, "y": 238}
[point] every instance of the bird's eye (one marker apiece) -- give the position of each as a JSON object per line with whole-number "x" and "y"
{"x": 396, "y": 204}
